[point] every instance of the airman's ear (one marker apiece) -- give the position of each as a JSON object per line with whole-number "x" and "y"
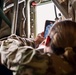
{"x": 48, "y": 40}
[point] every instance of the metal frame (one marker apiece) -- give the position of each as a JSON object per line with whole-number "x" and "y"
{"x": 63, "y": 10}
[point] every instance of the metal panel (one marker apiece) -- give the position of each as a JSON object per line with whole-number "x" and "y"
{"x": 62, "y": 8}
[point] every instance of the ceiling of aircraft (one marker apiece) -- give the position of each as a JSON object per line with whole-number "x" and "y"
{"x": 67, "y": 7}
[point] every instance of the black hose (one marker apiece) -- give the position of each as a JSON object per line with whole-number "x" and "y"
{"x": 1, "y": 6}
{"x": 2, "y": 16}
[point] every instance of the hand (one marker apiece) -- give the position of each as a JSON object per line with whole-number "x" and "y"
{"x": 39, "y": 38}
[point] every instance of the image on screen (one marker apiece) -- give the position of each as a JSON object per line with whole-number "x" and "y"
{"x": 48, "y": 24}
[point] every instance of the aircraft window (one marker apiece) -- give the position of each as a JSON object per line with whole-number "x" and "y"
{"x": 45, "y": 12}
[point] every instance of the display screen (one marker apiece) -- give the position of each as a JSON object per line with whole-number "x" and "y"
{"x": 48, "y": 24}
